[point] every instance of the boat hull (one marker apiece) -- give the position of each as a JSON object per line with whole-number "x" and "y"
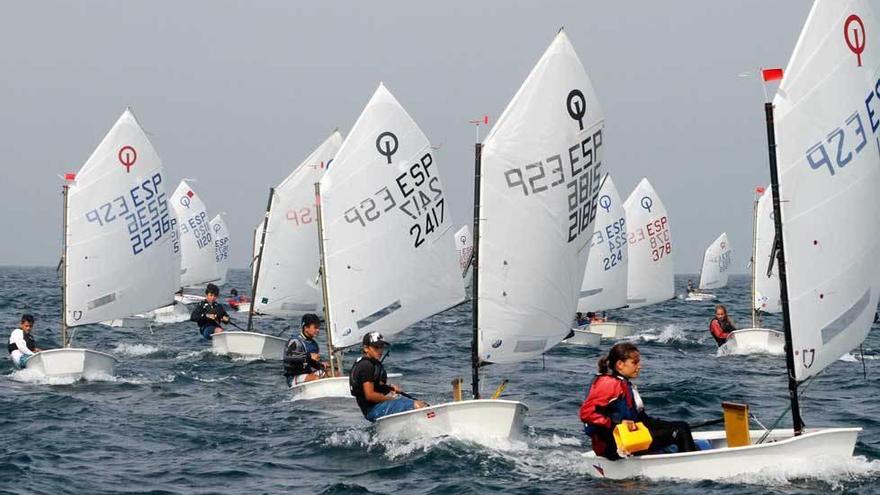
{"x": 781, "y": 448}
{"x": 72, "y": 363}
{"x": 613, "y": 330}
{"x": 323, "y": 388}
{"x": 700, "y": 297}
{"x": 249, "y": 345}
{"x": 482, "y": 420}
{"x": 584, "y": 337}
{"x": 755, "y": 341}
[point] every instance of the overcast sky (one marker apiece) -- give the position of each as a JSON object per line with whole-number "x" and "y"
{"x": 235, "y": 94}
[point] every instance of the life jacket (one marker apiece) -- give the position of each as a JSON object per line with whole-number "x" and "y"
{"x": 380, "y": 377}
{"x": 28, "y": 340}
{"x": 626, "y": 406}
{"x": 725, "y": 325}
{"x": 297, "y": 356}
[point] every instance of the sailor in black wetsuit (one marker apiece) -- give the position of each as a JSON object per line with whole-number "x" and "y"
{"x": 368, "y": 383}
{"x": 302, "y": 359}
{"x": 209, "y": 314}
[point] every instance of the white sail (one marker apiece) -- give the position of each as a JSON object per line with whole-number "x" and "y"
{"x": 288, "y": 283}
{"x": 766, "y": 283}
{"x": 604, "y": 284}
{"x": 541, "y": 174}
{"x": 827, "y": 128}
{"x": 464, "y": 245}
{"x": 198, "y": 263}
{"x": 650, "y": 278}
{"x": 119, "y": 258}
{"x": 388, "y": 250}
{"x": 716, "y": 264}
{"x": 220, "y": 232}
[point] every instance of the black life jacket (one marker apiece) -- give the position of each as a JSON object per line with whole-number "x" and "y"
{"x": 28, "y": 340}
{"x": 380, "y": 378}
{"x": 295, "y": 358}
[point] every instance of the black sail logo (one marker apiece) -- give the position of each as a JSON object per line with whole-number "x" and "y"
{"x": 577, "y": 106}
{"x": 387, "y": 143}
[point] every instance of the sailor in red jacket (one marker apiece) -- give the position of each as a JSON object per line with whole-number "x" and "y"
{"x": 613, "y": 400}
{"x": 721, "y": 327}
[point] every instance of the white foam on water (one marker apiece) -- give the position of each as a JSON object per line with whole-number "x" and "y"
{"x": 33, "y": 376}
{"x": 834, "y": 472}
{"x": 851, "y": 357}
{"x": 194, "y": 355}
{"x": 667, "y": 334}
{"x": 135, "y": 350}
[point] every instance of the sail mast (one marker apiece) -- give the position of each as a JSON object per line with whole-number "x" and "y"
{"x": 783, "y": 284}
{"x": 754, "y": 260}
{"x": 250, "y": 320}
{"x": 475, "y": 350}
{"x": 335, "y": 364}
{"x": 64, "y": 341}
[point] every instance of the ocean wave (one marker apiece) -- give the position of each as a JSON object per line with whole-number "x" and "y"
{"x": 135, "y": 350}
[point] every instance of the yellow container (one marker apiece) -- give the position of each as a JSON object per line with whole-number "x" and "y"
{"x": 632, "y": 441}
{"x": 736, "y": 424}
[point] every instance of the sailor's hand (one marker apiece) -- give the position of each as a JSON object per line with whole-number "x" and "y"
{"x": 211, "y": 316}
{"x": 396, "y": 389}
{"x": 225, "y": 319}
{"x": 630, "y": 425}
{"x": 316, "y": 356}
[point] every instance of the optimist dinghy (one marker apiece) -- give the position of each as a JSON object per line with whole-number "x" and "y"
{"x": 117, "y": 248}
{"x": 198, "y": 258}
{"x": 545, "y": 148}
{"x": 385, "y": 238}
{"x": 604, "y": 284}
{"x": 758, "y": 340}
{"x": 827, "y": 268}
{"x": 650, "y": 257}
{"x": 713, "y": 273}
{"x": 285, "y": 259}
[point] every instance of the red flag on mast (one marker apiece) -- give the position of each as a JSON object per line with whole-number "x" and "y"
{"x": 771, "y": 74}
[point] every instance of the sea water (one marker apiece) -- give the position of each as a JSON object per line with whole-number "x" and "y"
{"x": 178, "y": 419}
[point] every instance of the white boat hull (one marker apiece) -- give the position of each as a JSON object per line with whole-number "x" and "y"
{"x": 244, "y": 307}
{"x": 584, "y": 337}
{"x": 613, "y": 330}
{"x": 700, "y": 297}
{"x": 335, "y": 387}
{"x": 323, "y": 388}
{"x": 476, "y": 420}
{"x": 72, "y": 363}
{"x": 782, "y": 448}
{"x": 754, "y": 341}
{"x": 248, "y": 344}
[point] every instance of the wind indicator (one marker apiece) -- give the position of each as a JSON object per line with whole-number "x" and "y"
{"x": 476, "y": 123}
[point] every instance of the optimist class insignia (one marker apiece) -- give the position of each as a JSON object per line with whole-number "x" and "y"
{"x": 127, "y": 156}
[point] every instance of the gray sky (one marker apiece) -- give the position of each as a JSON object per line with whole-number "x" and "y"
{"x": 235, "y": 94}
